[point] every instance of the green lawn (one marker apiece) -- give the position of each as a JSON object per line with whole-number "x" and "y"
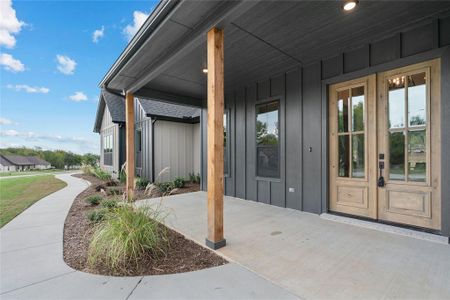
{"x": 16, "y": 194}
{"x": 6, "y": 174}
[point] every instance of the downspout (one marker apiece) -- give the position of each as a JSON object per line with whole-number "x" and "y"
{"x": 153, "y": 149}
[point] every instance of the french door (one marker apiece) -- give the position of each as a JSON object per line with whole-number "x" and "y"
{"x": 385, "y": 146}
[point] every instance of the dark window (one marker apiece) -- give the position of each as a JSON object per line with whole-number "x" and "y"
{"x": 108, "y": 150}
{"x": 226, "y": 152}
{"x": 138, "y": 148}
{"x": 268, "y": 140}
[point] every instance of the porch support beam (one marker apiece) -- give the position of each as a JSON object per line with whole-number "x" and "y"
{"x": 129, "y": 118}
{"x": 215, "y": 56}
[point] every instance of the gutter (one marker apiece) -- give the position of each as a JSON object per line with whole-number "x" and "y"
{"x": 152, "y": 22}
{"x": 153, "y": 149}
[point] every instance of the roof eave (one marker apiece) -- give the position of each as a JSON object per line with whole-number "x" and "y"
{"x": 158, "y": 15}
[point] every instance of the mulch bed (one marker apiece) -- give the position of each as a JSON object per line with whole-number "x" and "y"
{"x": 183, "y": 255}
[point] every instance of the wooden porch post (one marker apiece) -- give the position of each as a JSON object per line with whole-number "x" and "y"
{"x": 129, "y": 118}
{"x": 215, "y": 237}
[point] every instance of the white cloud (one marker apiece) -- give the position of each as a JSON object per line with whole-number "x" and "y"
{"x": 78, "y": 97}
{"x": 66, "y": 65}
{"x": 9, "y": 24}
{"x": 9, "y": 63}
{"x": 28, "y": 89}
{"x": 5, "y": 121}
{"x": 98, "y": 34}
{"x": 139, "y": 18}
{"x": 48, "y": 141}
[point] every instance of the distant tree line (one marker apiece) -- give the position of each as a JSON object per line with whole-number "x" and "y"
{"x": 59, "y": 159}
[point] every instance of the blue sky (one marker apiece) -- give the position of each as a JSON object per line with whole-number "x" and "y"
{"x": 51, "y": 63}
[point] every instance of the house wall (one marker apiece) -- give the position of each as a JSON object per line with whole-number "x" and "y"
{"x": 7, "y": 168}
{"x": 108, "y": 127}
{"x": 196, "y": 148}
{"x": 302, "y": 91}
{"x": 144, "y": 123}
{"x": 174, "y": 148}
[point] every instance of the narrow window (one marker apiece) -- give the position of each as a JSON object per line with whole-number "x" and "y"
{"x": 226, "y": 152}
{"x": 268, "y": 140}
{"x": 138, "y": 148}
{"x": 107, "y": 149}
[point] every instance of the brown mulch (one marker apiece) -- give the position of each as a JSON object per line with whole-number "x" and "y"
{"x": 183, "y": 255}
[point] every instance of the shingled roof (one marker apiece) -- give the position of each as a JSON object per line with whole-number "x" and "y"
{"x": 153, "y": 108}
{"x": 18, "y": 160}
{"x": 116, "y": 107}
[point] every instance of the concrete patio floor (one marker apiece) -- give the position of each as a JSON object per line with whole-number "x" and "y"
{"x": 316, "y": 258}
{"x": 32, "y": 265}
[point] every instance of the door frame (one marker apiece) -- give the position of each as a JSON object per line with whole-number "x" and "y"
{"x": 433, "y": 153}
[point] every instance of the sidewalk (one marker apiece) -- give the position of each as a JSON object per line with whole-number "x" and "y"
{"x": 32, "y": 265}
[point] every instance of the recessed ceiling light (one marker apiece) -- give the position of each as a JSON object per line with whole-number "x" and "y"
{"x": 205, "y": 71}
{"x": 349, "y": 5}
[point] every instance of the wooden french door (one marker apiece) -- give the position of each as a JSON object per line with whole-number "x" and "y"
{"x": 385, "y": 146}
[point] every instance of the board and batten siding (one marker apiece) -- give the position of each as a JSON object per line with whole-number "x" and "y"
{"x": 143, "y": 123}
{"x": 174, "y": 149}
{"x": 302, "y": 91}
{"x": 108, "y": 127}
{"x": 176, "y": 146}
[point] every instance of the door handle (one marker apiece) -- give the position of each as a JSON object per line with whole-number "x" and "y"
{"x": 381, "y": 182}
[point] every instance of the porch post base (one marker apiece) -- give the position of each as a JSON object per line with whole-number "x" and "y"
{"x": 215, "y": 245}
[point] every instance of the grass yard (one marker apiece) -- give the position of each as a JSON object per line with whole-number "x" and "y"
{"x": 6, "y": 174}
{"x": 17, "y": 194}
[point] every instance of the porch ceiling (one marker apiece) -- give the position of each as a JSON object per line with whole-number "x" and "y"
{"x": 261, "y": 39}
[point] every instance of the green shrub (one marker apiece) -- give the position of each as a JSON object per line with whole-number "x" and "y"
{"x": 164, "y": 187}
{"x": 126, "y": 236}
{"x": 141, "y": 183}
{"x": 178, "y": 182}
{"x": 110, "y": 203}
{"x": 94, "y": 200}
{"x": 97, "y": 215}
{"x": 122, "y": 176}
{"x": 114, "y": 191}
{"x": 87, "y": 169}
{"x": 192, "y": 177}
{"x": 103, "y": 175}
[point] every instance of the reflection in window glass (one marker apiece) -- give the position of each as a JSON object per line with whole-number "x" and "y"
{"x": 267, "y": 140}
{"x": 358, "y": 109}
{"x": 358, "y": 156}
{"x": 416, "y": 99}
{"x": 343, "y": 111}
{"x": 397, "y": 102}
{"x": 397, "y": 155}
{"x": 343, "y": 152}
{"x": 417, "y": 158}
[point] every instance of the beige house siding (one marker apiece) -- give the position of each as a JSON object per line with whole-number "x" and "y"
{"x": 174, "y": 148}
{"x": 196, "y": 146}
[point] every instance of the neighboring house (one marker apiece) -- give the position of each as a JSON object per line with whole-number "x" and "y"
{"x": 110, "y": 124}
{"x": 6, "y": 165}
{"x": 10, "y": 163}
{"x": 172, "y": 134}
{"x": 167, "y": 136}
{"x": 321, "y": 102}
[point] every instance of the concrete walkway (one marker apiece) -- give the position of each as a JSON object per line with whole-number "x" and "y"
{"x": 316, "y": 258}
{"x": 32, "y": 266}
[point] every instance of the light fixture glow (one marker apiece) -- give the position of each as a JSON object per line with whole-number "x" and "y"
{"x": 350, "y": 5}
{"x": 205, "y": 71}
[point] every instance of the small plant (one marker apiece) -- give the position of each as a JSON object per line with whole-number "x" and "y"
{"x": 126, "y": 236}
{"x": 141, "y": 183}
{"x": 165, "y": 187}
{"x": 97, "y": 215}
{"x": 110, "y": 203}
{"x": 94, "y": 200}
{"x": 87, "y": 169}
{"x": 123, "y": 174}
{"x": 178, "y": 182}
{"x": 103, "y": 175}
{"x": 114, "y": 191}
{"x": 194, "y": 178}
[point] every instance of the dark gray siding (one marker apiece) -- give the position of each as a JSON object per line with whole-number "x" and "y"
{"x": 302, "y": 91}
